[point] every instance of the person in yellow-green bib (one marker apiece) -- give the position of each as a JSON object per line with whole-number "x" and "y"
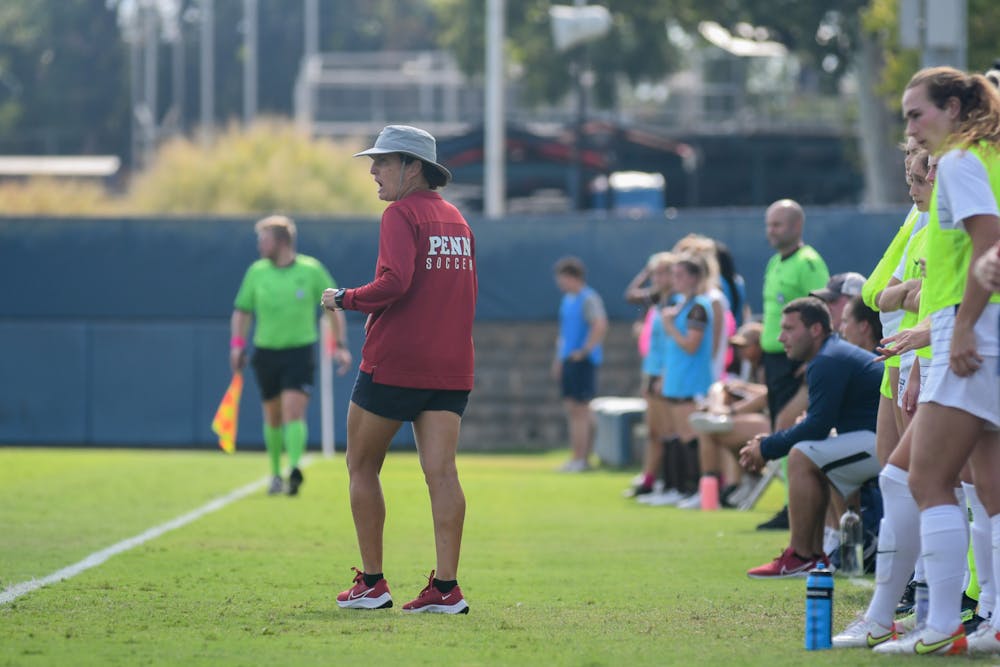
{"x": 280, "y": 293}
{"x": 955, "y": 116}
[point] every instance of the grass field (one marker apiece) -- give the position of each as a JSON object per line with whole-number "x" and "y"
{"x": 558, "y": 569}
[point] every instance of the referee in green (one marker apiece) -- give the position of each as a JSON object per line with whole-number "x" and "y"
{"x": 794, "y": 271}
{"x": 281, "y": 291}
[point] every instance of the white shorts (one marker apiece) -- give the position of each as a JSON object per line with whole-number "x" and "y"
{"x": 979, "y": 393}
{"x": 848, "y": 460}
{"x": 905, "y": 364}
{"x": 906, "y": 361}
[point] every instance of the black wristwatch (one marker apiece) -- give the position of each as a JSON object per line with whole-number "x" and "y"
{"x": 338, "y": 299}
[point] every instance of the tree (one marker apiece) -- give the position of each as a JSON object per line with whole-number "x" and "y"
{"x": 823, "y": 35}
{"x": 62, "y": 78}
{"x": 883, "y": 19}
{"x": 636, "y": 47}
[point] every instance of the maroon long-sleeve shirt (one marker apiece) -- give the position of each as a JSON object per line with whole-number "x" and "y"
{"x": 422, "y": 301}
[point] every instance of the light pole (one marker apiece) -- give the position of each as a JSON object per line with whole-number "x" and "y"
{"x": 207, "y": 48}
{"x": 571, "y": 26}
{"x": 250, "y": 64}
{"x": 494, "y": 129}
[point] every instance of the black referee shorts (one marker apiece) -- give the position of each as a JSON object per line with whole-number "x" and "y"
{"x": 293, "y": 368}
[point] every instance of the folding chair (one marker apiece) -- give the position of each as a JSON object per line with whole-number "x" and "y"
{"x": 771, "y": 471}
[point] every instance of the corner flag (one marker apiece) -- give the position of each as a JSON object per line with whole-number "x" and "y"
{"x": 226, "y": 419}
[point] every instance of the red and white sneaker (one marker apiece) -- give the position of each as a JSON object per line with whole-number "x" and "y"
{"x": 360, "y": 596}
{"x": 431, "y": 600}
{"x": 788, "y": 564}
{"x": 985, "y": 640}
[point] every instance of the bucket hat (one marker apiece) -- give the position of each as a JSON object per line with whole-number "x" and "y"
{"x": 410, "y": 141}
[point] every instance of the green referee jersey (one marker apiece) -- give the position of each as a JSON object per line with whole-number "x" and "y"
{"x": 786, "y": 279}
{"x": 284, "y": 301}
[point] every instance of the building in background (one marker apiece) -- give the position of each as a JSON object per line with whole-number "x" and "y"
{"x": 738, "y": 127}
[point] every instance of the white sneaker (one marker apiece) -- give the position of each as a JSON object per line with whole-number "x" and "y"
{"x": 984, "y": 641}
{"x": 692, "y": 502}
{"x": 862, "y": 633}
{"x": 575, "y": 465}
{"x": 926, "y": 641}
{"x": 277, "y": 486}
{"x": 668, "y": 497}
{"x": 710, "y": 422}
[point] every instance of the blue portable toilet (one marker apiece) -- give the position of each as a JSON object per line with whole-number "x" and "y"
{"x": 637, "y": 193}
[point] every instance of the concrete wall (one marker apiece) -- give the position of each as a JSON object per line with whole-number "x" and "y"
{"x": 115, "y": 331}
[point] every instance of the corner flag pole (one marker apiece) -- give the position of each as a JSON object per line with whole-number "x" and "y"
{"x": 326, "y": 348}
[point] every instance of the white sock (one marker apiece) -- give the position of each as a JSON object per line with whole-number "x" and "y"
{"x": 963, "y": 503}
{"x": 898, "y": 544}
{"x": 995, "y": 536}
{"x": 831, "y": 539}
{"x": 982, "y": 551}
{"x": 943, "y": 531}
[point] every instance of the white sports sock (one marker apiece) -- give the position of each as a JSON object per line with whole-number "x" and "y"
{"x": 960, "y": 497}
{"x": 943, "y": 531}
{"x": 982, "y": 551}
{"x": 898, "y": 544}
{"x": 995, "y": 537}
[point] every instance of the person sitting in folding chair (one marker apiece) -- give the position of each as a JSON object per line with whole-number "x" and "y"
{"x": 843, "y": 383}
{"x": 736, "y": 410}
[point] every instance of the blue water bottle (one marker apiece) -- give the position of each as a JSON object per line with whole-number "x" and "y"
{"x": 819, "y": 609}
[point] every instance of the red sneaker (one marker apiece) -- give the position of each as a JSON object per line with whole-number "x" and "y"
{"x": 360, "y": 596}
{"x": 788, "y": 564}
{"x": 434, "y": 601}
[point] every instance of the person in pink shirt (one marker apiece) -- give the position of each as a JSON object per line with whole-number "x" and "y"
{"x": 416, "y": 363}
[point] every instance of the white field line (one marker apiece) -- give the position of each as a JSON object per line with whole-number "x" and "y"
{"x": 93, "y": 560}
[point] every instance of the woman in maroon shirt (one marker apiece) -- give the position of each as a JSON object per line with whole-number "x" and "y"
{"x": 417, "y": 362}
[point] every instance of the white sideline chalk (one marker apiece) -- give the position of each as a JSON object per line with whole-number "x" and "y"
{"x": 11, "y": 593}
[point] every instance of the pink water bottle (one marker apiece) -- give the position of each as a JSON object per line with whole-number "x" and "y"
{"x": 708, "y": 489}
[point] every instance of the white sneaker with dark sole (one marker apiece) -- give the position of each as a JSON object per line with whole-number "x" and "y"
{"x": 862, "y": 633}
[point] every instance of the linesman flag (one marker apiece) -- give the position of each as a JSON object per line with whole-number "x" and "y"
{"x": 227, "y": 416}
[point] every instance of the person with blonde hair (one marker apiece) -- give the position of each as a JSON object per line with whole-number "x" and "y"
{"x": 687, "y": 367}
{"x": 955, "y": 116}
{"x": 659, "y": 269}
{"x": 280, "y": 292}
{"x": 705, "y": 248}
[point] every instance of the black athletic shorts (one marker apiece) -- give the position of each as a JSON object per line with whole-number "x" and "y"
{"x": 405, "y": 403}
{"x": 579, "y": 380}
{"x": 277, "y": 370}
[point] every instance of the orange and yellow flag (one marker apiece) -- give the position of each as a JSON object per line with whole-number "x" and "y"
{"x": 226, "y": 418}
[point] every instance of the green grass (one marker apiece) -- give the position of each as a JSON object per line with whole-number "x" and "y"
{"x": 558, "y": 569}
